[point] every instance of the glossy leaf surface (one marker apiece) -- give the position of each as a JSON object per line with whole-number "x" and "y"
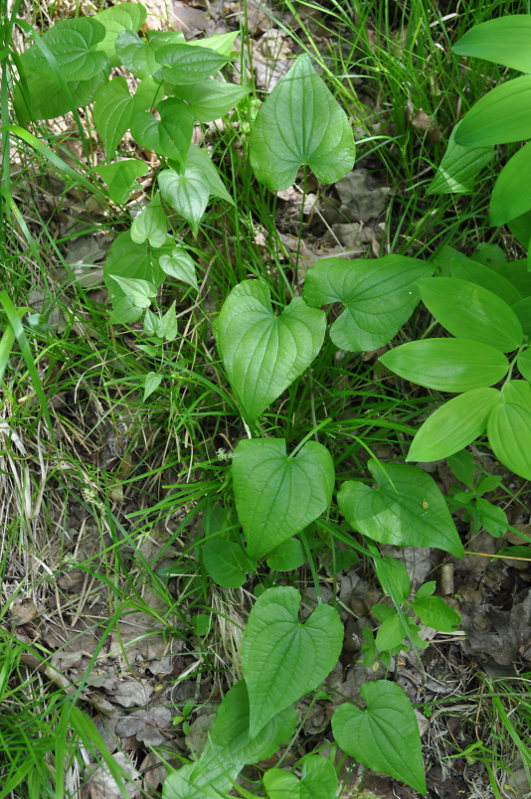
{"x": 509, "y": 428}
{"x": 459, "y": 166}
{"x": 447, "y": 364}
{"x": 500, "y": 116}
{"x": 506, "y": 41}
{"x": 511, "y": 196}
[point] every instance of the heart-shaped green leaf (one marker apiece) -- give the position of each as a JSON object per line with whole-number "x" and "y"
{"x": 509, "y": 428}
{"x": 129, "y": 260}
{"x": 467, "y": 310}
{"x": 227, "y": 562}
{"x": 170, "y": 135}
{"x": 135, "y": 53}
{"x": 276, "y": 496}
{"x": 121, "y": 176}
{"x": 283, "y": 659}
{"x": 454, "y": 425}
{"x": 385, "y": 737}
{"x": 434, "y": 612}
{"x": 301, "y": 123}
{"x": 318, "y": 781}
{"x": 211, "y": 99}
{"x": 188, "y": 190}
{"x": 447, "y": 364}
{"x": 184, "y": 63}
{"x": 180, "y": 265}
{"x": 72, "y": 45}
{"x": 379, "y": 296}
{"x": 151, "y": 224}
{"x": 263, "y": 353}
{"x": 407, "y": 509}
{"x": 125, "y": 16}
{"x": 113, "y": 112}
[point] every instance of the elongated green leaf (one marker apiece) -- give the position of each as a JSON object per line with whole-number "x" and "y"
{"x": 502, "y": 115}
{"x": 318, "y": 781}
{"x": 458, "y": 169}
{"x": 113, "y": 111}
{"x": 379, "y": 296}
{"x": 276, "y": 496}
{"x": 511, "y": 196}
{"x": 506, "y": 41}
{"x": 125, "y": 16}
{"x": 509, "y": 428}
{"x": 121, "y": 176}
{"x": 72, "y": 43}
{"x": 301, "y": 123}
{"x": 454, "y": 425}
{"x": 263, "y": 353}
{"x": 470, "y": 311}
{"x": 188, "y": 191}
{"x": 522, "y": 309}
{"x": 151, "y": 224}
{"x": 447, "y": 364}
{"x": 183, "y": 63}
{"x": 170, "y": 135}
{"x": 229, "y": 748}
{"x": 385, "y": 737}
{"x": 211, "y": 99}
{"x": 282, "y": 659}
{"x": 407, "y": 509}
{"x": 435, "y": 612}
{"x": 524, "y": 364}
{"x": 499, "y": 283}
{"x": 181, "y": 266}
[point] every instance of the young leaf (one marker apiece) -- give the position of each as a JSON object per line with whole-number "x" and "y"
{"x": 454, "y": 425}
{"x": 394, "y": 579}
{"x": 151, "y": 224}
{"x": 459, "y": 166}
{"x": 434, "y": 612}
{"x": 287, "y": 556}
{"x": 470, "y": 311}
{"x": 301, "y": 123}
{"x": 152, "y": 381}
{"x": 179, "y": 265}
{"x": 183, "y": 63}
{"x": 121, "y": 176}
{"x": 491, "y": 517}
{"x": 113, "y": 111}
{"x": 276, "y": 496}
{"x": 509, "y": 428}
{"x": 463, "y": 467}
{"x": 72, "y": 43}
{"x": 188, "y": 191}
{"x": 385, "y": 737}
{"x": 125, "y": 16}
{"x": 524, "y": 364}
{"x": 506, "y": 41}
{"x": 511, "y": 195}
{"x": 170, "y": 135}
{"x": 227, "y": 562}
{"x": 229, "y": 748}
{"x": 139, "y": 291}
{"x": 500, "y": 116}
{"x": 222, "y": 43}
{"x": 447, "y": 364}
{"x": 282, "y": 659}
{"x": 211, "y": 99}
{"x": 263, "y": 353}
{"x": 135, "y": 54}
{"x": 318, "y": 781}
{"x": 129, "y": 260}
{"x": 379, "y": 296}
{"x": 407, "y": 509}
{"x": 390, "y": 633}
